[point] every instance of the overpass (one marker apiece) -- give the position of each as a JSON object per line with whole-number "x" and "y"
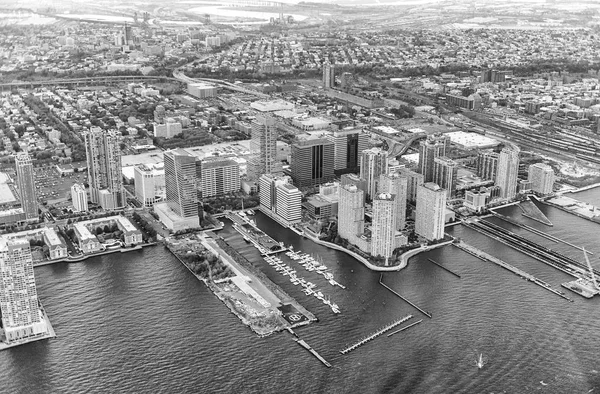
{"x": 180, "y": 76}
{"x": 85, "y": 80}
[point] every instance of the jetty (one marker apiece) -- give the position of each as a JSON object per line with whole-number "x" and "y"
{"x": 444, "y": 268}
{"x": 306, "y": 346}
{"x": 404, "y": 328}
{"x": 375, "y": 334}
{"x": 403, "y": 298}
{"x": 531, "y": 211}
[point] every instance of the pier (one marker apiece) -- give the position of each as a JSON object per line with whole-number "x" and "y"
{"x": 404, "y": 328}
{"x": 306, "y": 346}
{"x": 486, "y": 257}
{"x": 375, "y": 334}
{"x": 444, "y": 268}
{"x": 402, "y": 298}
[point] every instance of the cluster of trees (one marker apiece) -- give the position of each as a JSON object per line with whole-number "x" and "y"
{"x": 404, "y": 111}
{"x": 189, "y": 137}
{"x": 145, "y": 226}
{"x": 232, "y": 201}
{"x": 207, "y": 266}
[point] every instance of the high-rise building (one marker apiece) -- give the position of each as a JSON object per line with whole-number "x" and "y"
{"x": 351, "y": 212}
{"x": 430, "y": 212}
{"x": 312, "y": 162}
{"x": 445, "y": 174}
{"x": 103, "y": 155}
{"x": 383, "y": 230}
{"x": 149, "y": 184}
{"x": 487, "y": 165}
{"x": 22, "y": 318}
{"x": 397, "y": 185}
{"x": 181, "y": 182}
{"x": 263, "y": 145}
{"x": 414, "y": 181}
{"x": 434, "y": 146}
{"x": 541, "y": 177}
{"x": 79, "y": 198}
{"x": 328, "y": 75}
{"x": 373, "y": 163}
{"x": 508, "y": 171}
{"x": 348, "y": 145}
{"x": 26, "y": 183}
{"x": 219, "y": 176}
{"x": 288, "y": 203}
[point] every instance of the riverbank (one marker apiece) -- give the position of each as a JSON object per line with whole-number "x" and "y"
{"x": 88, "y": 256}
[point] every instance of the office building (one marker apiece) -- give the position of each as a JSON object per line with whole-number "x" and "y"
{"x": 445, "y": 174}
{"x": 22, "y": 318}
{"x": 26, "y": 184}
{"x": 79, "y": 198}
{"x": 263, "y": 145}
{"x": 487, "y": 165}
{"x": 477, "y": 200}
{"x": 383, "y": 230}
{"x": 396, "y": 185}
{"x": 373, "y": 163}
{"x": 348, "y": 145}
{"x": 219, "y": 176}
{"x": 430, "y": 212}
{"x": 351, "y": 212}
{"x": 312, "y": 162}
{"x": 279, "y": 199}
{"x": 150, "y": 184}
{"x": 541, "y": 177}
{"x": 202, "y": 90}
{"x": 103, "y": 155}
{"x": 328, "y": 75}
{"x": 508, "y": 171}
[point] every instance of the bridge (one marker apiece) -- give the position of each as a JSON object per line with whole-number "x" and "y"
{"x": 85, "y": 80}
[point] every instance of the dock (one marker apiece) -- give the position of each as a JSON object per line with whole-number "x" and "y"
{"x": 444, "y": 268}
{"x": 486, "y": 257}
{"x": 306, "y": 346}
{"x": 375, "y": 334}
{"x": 404, "y": 328}
{"x": 403, "y": 299}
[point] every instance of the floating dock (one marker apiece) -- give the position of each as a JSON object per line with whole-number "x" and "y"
{"x": 402, "y": 298}
{"x": 375, "y": 334}
{"x": 444, "y": 268}
{"x": 313, "y": 351}
{"x": 404, "y": 328}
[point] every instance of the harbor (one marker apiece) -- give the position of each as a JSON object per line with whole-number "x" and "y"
{"x": 374, "y": 335}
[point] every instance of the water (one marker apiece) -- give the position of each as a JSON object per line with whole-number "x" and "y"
{"x": 139, "y": 322}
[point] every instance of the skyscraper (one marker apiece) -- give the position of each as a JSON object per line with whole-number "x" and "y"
{"x": 430, "y": 212}
{"x": 79, "y": 198}
{"x": 414, "y": 181}
{"x": 487, "y": 165}
{"x": 219, "y": 176}
{"x": 508, "y": 171}
{"x": 373, "y": 163}
{"x": 312, "y": 162}
{"x": 26, "y": 183}
{"x": 445, "y": 174}
{"x": 103, "y": 155}
{"x": 263, "y": 145}
{"x": 22, "y": 318}
{"x": 279, "y": 199}
{"x": 149, "y": 184}
{"x": 434, "y": 146}
{"x": 328, "y": 75}
{"x": 397, "y": 185}
{"x": 347, "y": 147}
{"x": 383, "y": 229}
{"x": 351, "y": 212}
{"x": 181, "y": 183}
{"x": 541, "y": 177}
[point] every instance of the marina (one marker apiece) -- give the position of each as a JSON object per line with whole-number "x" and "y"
{"x": 311, "y": 264}
{"x": 375, "y": 334}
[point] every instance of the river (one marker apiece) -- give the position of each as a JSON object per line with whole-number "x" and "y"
{"x": 140, "y": 322}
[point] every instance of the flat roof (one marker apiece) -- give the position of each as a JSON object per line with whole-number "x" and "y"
{"x": 471, "y": 140}
{"x": 153, "y": 157}
{"x": 52, "y": 237}
{"x": 6, "y": 195}
{"x": 125, "y": 223}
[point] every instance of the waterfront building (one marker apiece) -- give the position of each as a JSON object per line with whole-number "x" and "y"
{"x": 383, "y": 229}
{"x": 477, "y": 200}
{"x": 351, "y": 212}
{"x": 434, "y": 146}
{"x": 263, "y": 146}
{"x": 414, "y": 181}
{"x": 288, "y": 203}
{"x": 508, "y": 171}
{"x": 445, "y": 174}
{"x": 79, "y": 198}
{"x": 397, "y": 185}
{"x": 312, "y": 162}
{"x": 430, "y": 212}
{"x": 541, "y": 177}
{"x": 487, "y": 165}
{"x": 373, "y": 163}
{"x": 219, "y": 176}
{"x": 26, "y": 184}
{"x": 22, "y": 317}
{"x": 103, "y": 155}
{"x": 180, "y": 210}
{"x": 150, "y": 184}
{"x": 56, "y": 247}
{"x": 328, "y": 75}
{"x": 348, "y": 145}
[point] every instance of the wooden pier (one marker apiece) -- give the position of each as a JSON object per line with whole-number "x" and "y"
{"x": 444, "y": 268}
{"x": 306, "y": 346}
{"x": 375, "y": 334}
{"x": 404, "y": 328}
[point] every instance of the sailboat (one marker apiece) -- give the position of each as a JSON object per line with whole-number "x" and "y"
{"x": 480, "y": 362}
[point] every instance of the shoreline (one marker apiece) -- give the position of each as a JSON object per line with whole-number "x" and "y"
{"x": 87, "y": 256}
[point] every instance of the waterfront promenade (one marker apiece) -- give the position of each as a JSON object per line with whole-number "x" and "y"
{"x": 77, "y": 259}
